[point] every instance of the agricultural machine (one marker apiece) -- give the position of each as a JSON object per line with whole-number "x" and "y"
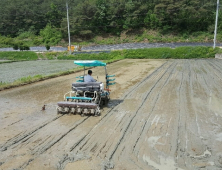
{"x": 86, "y": 98}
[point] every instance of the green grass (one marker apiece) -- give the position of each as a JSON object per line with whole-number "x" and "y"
{"x": 149, "y": 53}
{"x": 51, "y": 55}
{"x": 169, "y": 53}
{"x": 101, "y": 56}
{"x": 18, "y": 55}
{"x": 10, "y": 61}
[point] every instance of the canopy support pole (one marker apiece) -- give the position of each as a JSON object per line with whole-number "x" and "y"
{"x": 106, "y": 77}
{"x": 84, "y": 75}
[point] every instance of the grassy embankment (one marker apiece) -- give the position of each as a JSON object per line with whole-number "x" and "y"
{"x": 152, "y": 53}
{"x": 17, "y": 56}
{"x": 129, "y": 36}
{"x": 150, "y": 36}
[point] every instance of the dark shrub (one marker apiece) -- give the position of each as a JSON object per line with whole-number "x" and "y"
{"x": 26, "y": 47}
{"x": 47, "y": 46}
{"x": 15, "y": 46}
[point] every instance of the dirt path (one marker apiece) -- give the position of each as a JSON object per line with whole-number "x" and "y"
{"x": 163, "y": 115}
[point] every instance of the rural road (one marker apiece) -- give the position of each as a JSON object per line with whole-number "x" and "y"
{"x": 163, "y": 114}
{"x": 119, "y": 46}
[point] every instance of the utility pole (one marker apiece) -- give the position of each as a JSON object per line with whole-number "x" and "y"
{"x": 215, "y": 32}
{"x": 68, "y": 26}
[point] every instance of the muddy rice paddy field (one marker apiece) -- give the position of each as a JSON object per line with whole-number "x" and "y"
{"x": 14, "y": 71}
{"x": 163, "y": 114}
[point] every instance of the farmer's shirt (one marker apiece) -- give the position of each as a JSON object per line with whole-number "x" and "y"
{"x": 89, "y": 78}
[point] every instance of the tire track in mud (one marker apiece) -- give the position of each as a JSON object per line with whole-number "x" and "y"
{"x": 172, "y": 77}
{"x": 191, "y": 125}
{"x": 157, "y": 98}
{"x": 198, "y": 83}
{"x": 194, "y": 96}
{"x": 66, "y": 159}
{"x": 206, "y": 86}
{"x": 179, "y": 117}
{"x": 184, "y": 103}
{"x": 211, "y": 84}
{"x": 181, "y": 143}
{"x": 146, "y": 125}
{"x": 216, "y": 67}
{"x": 180, "y": 149}
{"x": 147, "y": 95}
{"x": 206, "y": 117}
{"x": 18, "y": 138}
{"x": 43, "y": 148}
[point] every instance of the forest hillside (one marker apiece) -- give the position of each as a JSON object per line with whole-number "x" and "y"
{"x": 90, "y": 18}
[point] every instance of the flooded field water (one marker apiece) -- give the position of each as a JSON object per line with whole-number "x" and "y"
{"x": 10, "y": 72}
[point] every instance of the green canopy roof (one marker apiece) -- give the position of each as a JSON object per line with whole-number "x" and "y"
{"x": 89, "y": 63}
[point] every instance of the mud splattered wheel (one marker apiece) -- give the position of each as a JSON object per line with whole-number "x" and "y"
{"x": 97, "y": 112}
{"x": 106, "y": 101}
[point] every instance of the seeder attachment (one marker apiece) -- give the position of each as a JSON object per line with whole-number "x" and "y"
{"x": 78, "y": 108}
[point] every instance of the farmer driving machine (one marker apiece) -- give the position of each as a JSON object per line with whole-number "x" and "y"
{"x": 85, "y": 98}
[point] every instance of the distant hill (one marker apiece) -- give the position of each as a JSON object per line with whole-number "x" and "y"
{"x": 93, "y": 17}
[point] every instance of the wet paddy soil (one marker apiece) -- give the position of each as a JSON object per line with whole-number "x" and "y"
{"x": 17, "y": 70}
{"x": 163, "y": 114}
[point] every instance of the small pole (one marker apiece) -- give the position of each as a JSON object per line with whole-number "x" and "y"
{"x": 106, "y": 77}
{"x": 215, "y": 32}
{"x": 84, "y": 75}
{"x": 68, "y": 26}
{"x": 84, "y": 70}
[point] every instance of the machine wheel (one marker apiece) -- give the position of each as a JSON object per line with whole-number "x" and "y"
{"x": 97, "y": 113}
{"x": 106, "y": 101}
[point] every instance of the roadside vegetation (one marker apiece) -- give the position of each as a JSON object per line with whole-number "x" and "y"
{"x": 147, "y": 53}
{"x": 18, "y": 56}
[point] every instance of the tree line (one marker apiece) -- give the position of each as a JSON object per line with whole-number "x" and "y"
{"x": 93, "y": 17}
